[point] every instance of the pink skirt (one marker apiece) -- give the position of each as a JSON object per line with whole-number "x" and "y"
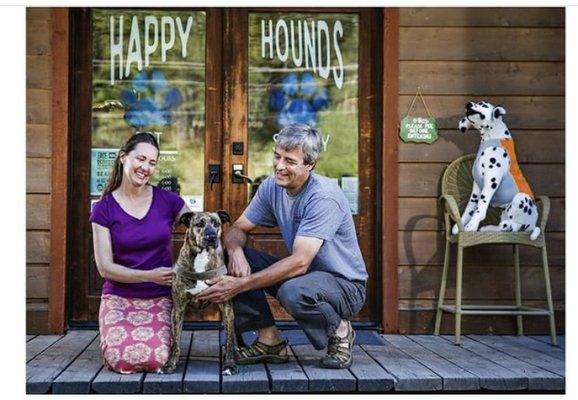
{"x": 135, "y": 334}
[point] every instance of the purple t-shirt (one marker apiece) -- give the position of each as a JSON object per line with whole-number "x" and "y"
{"x": 143, "y": 244}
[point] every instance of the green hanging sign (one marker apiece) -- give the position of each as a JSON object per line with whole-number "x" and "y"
{"x": 418, "y": 129}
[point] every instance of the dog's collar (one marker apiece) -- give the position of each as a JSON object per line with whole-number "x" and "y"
{"x": 201, "y": 276}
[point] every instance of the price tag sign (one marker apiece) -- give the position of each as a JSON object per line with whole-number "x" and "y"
{"x": 418, "y": 129}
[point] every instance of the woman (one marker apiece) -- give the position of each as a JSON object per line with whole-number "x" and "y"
{"x": 132, "y": 226}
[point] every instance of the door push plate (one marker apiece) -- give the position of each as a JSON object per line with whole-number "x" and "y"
{"x": 238, "y": 169}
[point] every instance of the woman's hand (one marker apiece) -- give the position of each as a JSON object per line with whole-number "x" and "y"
{"x": 238, "y": 265}
{"x": 161, "y": 276}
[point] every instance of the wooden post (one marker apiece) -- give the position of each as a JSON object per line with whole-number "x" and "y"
{"x": 390, "y": 172}
{"x": 57, "y": 268}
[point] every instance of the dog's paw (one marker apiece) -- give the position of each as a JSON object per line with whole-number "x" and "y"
{"x": 169, "y": 368}
{"x": 230, "y": 369}
{"x": 455, "y": 229}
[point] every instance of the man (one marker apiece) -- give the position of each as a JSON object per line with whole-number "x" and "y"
{"x": 321, "y": 283}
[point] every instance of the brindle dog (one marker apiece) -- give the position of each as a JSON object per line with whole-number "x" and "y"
{"x": 200, "y": 258}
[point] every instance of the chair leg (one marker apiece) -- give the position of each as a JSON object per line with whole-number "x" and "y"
{"x": 519, "y": 320}
{"x": 549, "y": 296}
{"x": 458, "y": 329}
{"x": 442, "y": 294}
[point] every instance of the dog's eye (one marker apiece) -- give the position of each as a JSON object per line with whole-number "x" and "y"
{"x": 200, "y": 224}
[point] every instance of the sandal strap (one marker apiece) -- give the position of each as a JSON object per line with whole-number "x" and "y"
{"x": 261, "y": 349}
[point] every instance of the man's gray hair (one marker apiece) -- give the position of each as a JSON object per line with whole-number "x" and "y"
{"x": 303, "y": 136}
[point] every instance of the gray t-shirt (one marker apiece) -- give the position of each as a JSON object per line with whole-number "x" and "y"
{"x": 319, "y": 210}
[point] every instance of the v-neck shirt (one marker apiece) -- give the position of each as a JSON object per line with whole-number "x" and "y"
{"x": 142, "y": 244}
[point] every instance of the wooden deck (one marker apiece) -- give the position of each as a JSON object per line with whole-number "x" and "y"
{"x": 382, "y": 363}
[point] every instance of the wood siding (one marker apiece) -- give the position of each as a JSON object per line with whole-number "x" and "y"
{"x": 38, "y": 165}
{"x": 513, "y": 57}
{"x": 509, "y": 56}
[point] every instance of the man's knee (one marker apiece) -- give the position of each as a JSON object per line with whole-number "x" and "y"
{"x": 294, "y": 295}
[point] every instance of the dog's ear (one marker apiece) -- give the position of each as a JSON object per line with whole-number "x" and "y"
{"x": 464, "y": 124}
{"x": 186, "y": 219}
{"x": 224, "y": 216}
{"x": 498, "y": 112}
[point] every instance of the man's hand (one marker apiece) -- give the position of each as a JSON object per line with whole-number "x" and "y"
{"x": 238, "y": 265}
{"x": 222, "y": 288}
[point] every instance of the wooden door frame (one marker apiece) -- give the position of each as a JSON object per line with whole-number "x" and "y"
{"x": 390, "y": 172}
{"x": 62, "y": 171}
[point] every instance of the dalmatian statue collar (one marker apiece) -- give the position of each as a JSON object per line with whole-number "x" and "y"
{"x": 498, "y": 179}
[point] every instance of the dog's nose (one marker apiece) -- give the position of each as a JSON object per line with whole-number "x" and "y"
{"x": 469, "y": 105}
{"x": 211, "y": 239}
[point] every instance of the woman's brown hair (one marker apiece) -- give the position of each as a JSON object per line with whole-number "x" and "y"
{"x": 115, "y": 178}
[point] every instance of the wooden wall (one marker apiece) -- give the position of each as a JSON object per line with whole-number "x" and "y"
{"x": 512, "y": 57}
{"x": 38, "y": 165}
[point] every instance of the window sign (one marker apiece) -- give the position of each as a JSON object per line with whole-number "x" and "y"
{"x": 303, "y": 68}
{"x": 149, "y": 75}
{"x": 101, "y": 163}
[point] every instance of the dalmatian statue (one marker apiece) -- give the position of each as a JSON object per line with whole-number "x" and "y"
{"x": 498, "y": 180}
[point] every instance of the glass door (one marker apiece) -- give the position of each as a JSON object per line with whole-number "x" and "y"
{"x": 315, "y": 68}
{"x": 142, "y": 70}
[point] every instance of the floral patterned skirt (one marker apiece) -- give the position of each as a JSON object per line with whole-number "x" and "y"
{"x": 135, "y": 334}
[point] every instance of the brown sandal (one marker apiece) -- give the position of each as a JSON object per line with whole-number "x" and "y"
{"x": 260, "y": 352}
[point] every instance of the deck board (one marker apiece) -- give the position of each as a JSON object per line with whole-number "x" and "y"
{"x": 30, "y": 337}
{"x": 203, "y": 367}
{"x": 538, "y": 378}
{"x": 288, "y": 377}
{"x": 454, "y": 378}
{"x": 370, "y": 376}
{"x": 248, "y": 379}
{"x": 322, "y": 379}
{"x": 541, "y": 347}
{"x": 409, "y": 374}
{"x": 546, "y": 339}
{"x": 44, "y": 368}
{"x": 492, "y": 376}
{"x": 170, "y": 383}
{"x": 78, "y": 377}
{"x": 107, "y": 382}
{"x": 513, "y": 348}
{"x": 39, "y": 344}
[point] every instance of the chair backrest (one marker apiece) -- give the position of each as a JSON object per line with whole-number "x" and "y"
{"x": 457, "y": 181}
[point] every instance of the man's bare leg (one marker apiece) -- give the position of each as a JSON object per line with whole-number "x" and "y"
{"x": 270, "y": 336}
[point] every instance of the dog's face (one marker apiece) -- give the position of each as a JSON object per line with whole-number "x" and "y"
{"x": 204, "y": 228}
{"x": 482, "y": 115}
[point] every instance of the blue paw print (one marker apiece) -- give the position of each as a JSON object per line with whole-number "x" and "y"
{"x": 298, "y": 100}
{"x": 151, "y": 101}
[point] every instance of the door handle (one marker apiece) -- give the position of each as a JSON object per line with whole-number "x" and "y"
{"x": 214, "y": 175}
{"x": 238, "y": 176}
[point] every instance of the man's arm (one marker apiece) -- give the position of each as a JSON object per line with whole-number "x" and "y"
{"x": 234, "y": 241}
{"x": 304, "y": 251}
{"x": 225, "y": 287}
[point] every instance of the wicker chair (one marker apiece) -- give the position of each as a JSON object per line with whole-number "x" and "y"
{"x": 456, "y": 190}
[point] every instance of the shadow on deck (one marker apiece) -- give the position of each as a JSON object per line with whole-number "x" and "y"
{"x": 382, "y": 363}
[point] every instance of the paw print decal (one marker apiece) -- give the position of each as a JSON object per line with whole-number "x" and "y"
{"x": 298, "y": 100}
{"x": 150, "y": 102}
